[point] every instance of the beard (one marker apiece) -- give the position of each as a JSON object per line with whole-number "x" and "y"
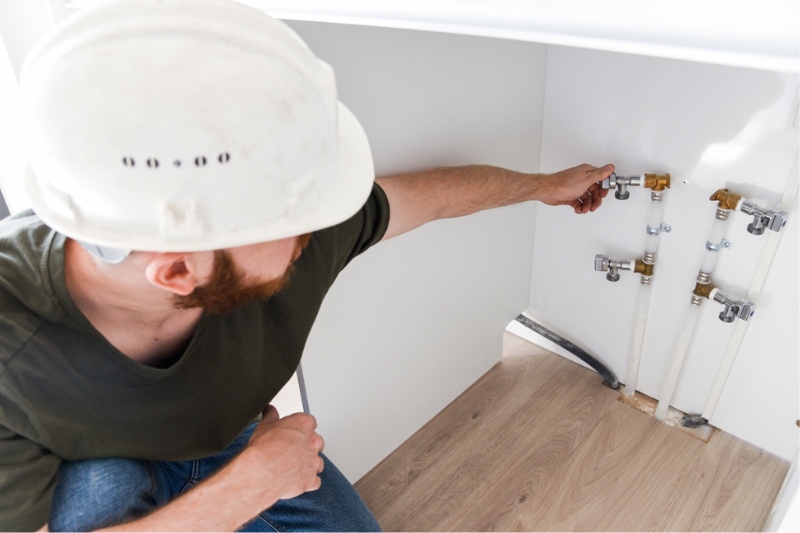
{"x": 227, "y": 290}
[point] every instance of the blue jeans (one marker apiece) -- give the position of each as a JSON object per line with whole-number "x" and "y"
{"x": 94, "y": 493}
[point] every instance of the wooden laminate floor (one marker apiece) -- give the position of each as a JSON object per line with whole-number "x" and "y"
{"x": 538, "y": 444}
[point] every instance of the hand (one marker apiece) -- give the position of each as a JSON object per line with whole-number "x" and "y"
{"x": 578, "y": 187}
{"x": 283, "y": 455}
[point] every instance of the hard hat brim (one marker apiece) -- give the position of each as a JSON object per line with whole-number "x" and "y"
{"x": 345, "y": 196}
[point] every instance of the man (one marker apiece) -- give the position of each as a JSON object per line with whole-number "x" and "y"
{"x": 197, "y": 188}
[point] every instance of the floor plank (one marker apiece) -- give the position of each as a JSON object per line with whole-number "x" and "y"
{"x": 538, "y": 444}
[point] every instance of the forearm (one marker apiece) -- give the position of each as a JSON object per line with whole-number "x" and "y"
{"x": 452, "y": 192}
{"x": 220, "y": 503}
{"x": 281, "y": 461}
{"x": 420, "y": 197}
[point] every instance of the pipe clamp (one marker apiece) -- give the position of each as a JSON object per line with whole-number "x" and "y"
{"x": 666, "y": 228}
{"x": 724, "y": 243}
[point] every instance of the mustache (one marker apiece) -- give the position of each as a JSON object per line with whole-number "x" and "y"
{"x": 227, "y": 289}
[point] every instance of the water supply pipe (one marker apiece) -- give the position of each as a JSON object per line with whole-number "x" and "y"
{"x": 681, "y": 348}
{"x": 714, "y": 244}
{"x": 767, "y": 257}
{"x": 644, "y": 266}
{"x": 642, "y": 308}
{"x": 732, "y": 307}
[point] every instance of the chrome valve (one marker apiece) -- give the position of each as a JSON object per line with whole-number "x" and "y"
{"x": 603, "y": 264}
{"x": 621, "y": 183}
{"x": 763, "y": 219}
{"x": 734, "y": 308}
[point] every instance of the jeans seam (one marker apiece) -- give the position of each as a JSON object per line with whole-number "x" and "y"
{"x": 152, "y": 491}
{"x": 195, "y": 472}
{"x": 268, "y": 522}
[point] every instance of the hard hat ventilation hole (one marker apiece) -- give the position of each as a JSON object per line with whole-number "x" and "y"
{"x": 199, "y": 161}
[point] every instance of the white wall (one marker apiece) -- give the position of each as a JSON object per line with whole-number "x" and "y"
{"x": 710, "y": 127}
{"x": 413, "y": 322}
{"x": 12, "y": 158}
{"x": 22, "y": 23}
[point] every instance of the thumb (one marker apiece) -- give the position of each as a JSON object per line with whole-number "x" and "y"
{"x": 604, "y": 172}
{"x": 270, "y": 414}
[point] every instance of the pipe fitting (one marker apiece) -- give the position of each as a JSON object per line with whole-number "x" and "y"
{"x": 603, "y": 264}
{"x": 643, "y": 268}
{"x": 621, "y": 183}
{"x": 726, "y": 200}
{"x": 656, "y": 182}
{"x": 703, "y": 290}
{"x": 722, "y": 214}
{"x": 734, "y": 308}
{"x": 763, "y": 219}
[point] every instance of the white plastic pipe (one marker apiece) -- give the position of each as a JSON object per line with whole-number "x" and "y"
{"x": 637, "y": 340}
{"x": 717, "y": 234}
{"x": 687, "y": 331}
{"x": 767, "y": 256}
{"x": 642, "y": 309}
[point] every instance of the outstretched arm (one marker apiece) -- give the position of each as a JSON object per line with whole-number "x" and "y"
{"x": 420, "y": 197}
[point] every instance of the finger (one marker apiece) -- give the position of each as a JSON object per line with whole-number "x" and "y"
{"x": 597, "y": 198}
{"x": 596, "y": 189}
{"x": 320, "y": 466}
{"x": 586, "y": 202}
{"x": 317, "y": 442}
{"x": 270, "y": 414}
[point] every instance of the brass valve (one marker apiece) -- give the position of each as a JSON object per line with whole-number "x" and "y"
{"x": 733, "y": 308}
{"x": 621, "y": 183}
{"x": 703, "y": 290}
{"x": 645, "y": 269}
{"x": 763, "y": 219}
{"x": 726, "y": 199}
{"x": 656, "y": 182}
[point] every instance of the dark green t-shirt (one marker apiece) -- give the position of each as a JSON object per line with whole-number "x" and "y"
{"x": 66, "y": 393}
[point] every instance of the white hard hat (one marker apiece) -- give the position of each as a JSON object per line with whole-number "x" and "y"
{"x": 186, "y": 125}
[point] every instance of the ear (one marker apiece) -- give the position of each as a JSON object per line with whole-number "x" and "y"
{"x": 179, "y": 273}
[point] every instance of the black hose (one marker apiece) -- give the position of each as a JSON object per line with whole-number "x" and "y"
{"x": 693, "y": 421}
{"x": 580, "y": 353}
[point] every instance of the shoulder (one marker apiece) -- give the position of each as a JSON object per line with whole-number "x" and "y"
{"x": 361, "y": 231}
{"x": 26, "y": 295}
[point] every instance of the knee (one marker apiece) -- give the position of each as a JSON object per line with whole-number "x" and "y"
{"x": 94, "y": 493}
